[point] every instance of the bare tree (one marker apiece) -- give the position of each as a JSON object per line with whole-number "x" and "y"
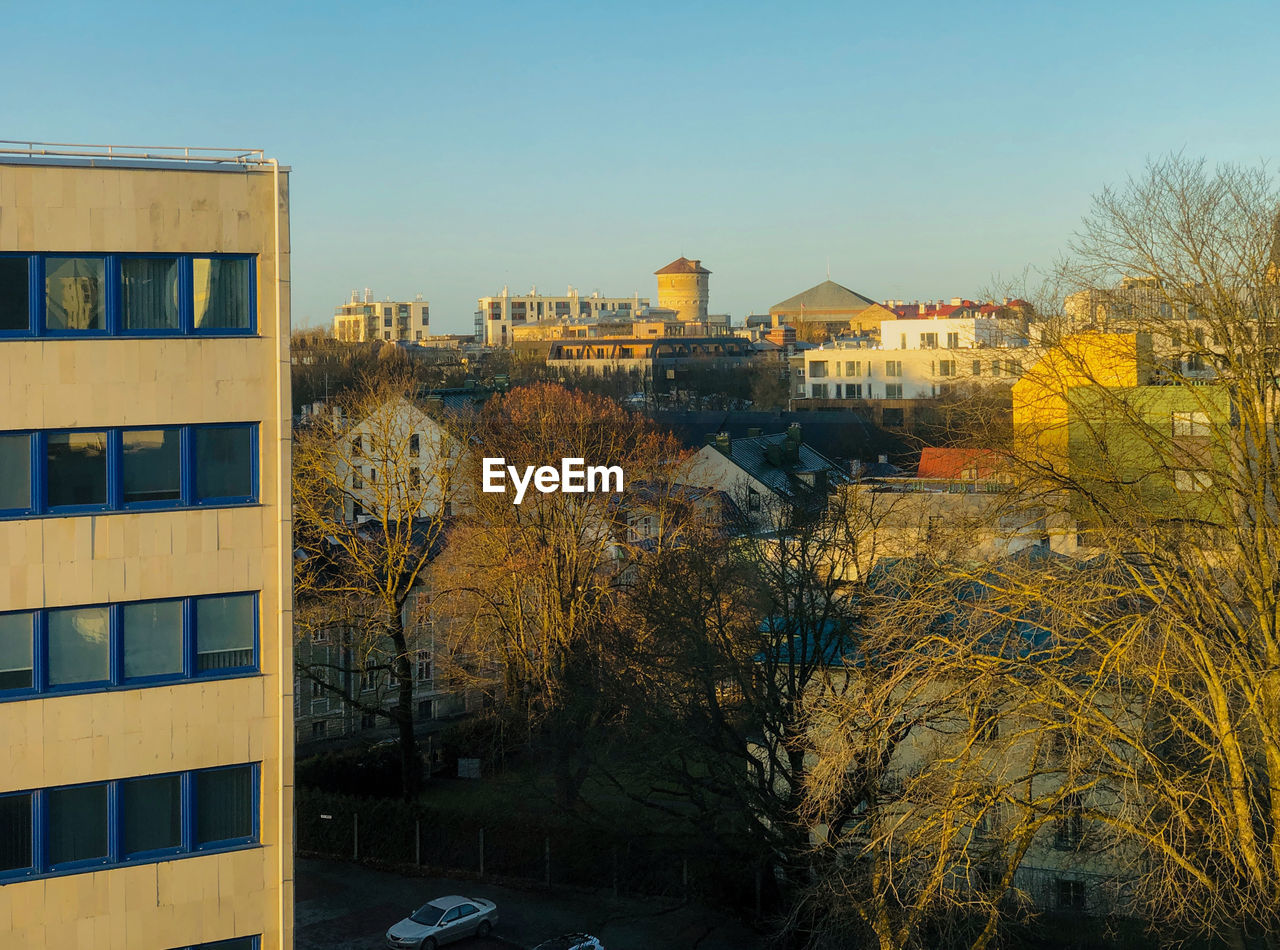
{"x": 374, "y": 481}
{"x": 536, "y": 587}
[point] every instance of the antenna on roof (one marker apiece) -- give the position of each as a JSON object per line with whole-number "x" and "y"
{"x": 828, "y": 267}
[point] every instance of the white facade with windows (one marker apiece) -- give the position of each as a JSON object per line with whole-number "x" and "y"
{"x": 362, "y": 320}
{"x": 917, "y": 359}
{"x": 496, "y": 316}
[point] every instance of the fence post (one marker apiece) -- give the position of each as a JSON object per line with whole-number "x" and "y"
{"x": 615, "y": 872}
{"x": 482, "y": 852}
{"x": 759, "y": 886}
{"x": 355, "y": 836}
{"x": 684, "y": 876}
{"x": 417, "y": 841}
{"x": 546, "y": 874}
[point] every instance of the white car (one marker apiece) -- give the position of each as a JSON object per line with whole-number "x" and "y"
{"x": 571, "y": 942}
{"x": 442, "y": 921}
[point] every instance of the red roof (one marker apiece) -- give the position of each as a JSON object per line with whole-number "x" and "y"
{"x": 682, "y": 265}
{"x": 957, "y": 463}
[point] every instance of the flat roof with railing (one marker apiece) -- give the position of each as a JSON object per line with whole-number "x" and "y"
{"x": 145, "y": 156}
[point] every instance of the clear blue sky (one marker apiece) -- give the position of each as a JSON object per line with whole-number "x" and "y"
{"x": 451, "y": 148}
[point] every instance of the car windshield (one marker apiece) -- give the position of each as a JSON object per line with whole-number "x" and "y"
{"x": 428, "y": 915}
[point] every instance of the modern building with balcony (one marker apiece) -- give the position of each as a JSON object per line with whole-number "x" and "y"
{"x": 364, "y": 320}
{"x": 146, "y": 674}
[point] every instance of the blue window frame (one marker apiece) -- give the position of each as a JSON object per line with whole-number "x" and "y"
{"x": 150, "y": 294}
{"x": 86, "y": 471}
{"x": 99, "y": 648}
{"x": 139, "y": 820}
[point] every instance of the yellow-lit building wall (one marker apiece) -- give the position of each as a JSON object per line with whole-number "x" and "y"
{"x": 53, "y": 561}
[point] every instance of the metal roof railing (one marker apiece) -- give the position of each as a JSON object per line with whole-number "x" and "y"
{"x": 158, "y": 153}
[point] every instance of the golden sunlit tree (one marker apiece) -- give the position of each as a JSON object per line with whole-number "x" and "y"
{"x": 375, "y": 479}
{"x": 535, "y": 588}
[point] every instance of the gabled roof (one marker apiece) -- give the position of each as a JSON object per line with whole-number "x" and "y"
{"x": 827, "y": 295}
{"x": 783, "y": 476}
{"x": 682, "y": 265}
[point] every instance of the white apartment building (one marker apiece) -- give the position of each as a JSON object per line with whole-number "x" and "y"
{"x": 917, "y": 359}
{"x": 362, "y": 320}
{"x": 497, "y": 315}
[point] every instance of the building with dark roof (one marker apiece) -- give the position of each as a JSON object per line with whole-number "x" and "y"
{"x": 836, "y": 307}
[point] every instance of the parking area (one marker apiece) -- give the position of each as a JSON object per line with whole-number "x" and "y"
{"x": 348, "y": 907}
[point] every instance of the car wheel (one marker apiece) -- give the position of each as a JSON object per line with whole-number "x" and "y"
{"x": 428, "y": 944}
{"x": 484, "y": 929}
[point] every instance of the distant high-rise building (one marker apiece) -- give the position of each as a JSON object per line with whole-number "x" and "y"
{"x": 683, "y": 288}
{"x": 146, "y": 671}
{"x": 362, "y": 320}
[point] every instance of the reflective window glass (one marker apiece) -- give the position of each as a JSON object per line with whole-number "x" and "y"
{"x": 78, "y": 646}
{"x": 15, "y": 472}
{"x": 16, "y": 641}
{"x": 224, "y": 462}
{"x": 152, "y": 465}
{"x": 151, "y": 809}
{"x": 152, "y": 638}
{"x": 75, "y": 297}
{"x": 15, "y": 304}
{"x": 77, "y": 823}
{"x": 221, "y": 293}
{"x": 224, "y": 632}
{"x": 150, "y": 293}
{"x": 77, "y": 468}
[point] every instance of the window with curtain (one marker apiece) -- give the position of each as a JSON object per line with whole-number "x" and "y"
{"x": 15, "y": 292}
{"x": 16, "y": 650}
{"x": 150, "y": 293}
{"x": 224, "y": 632}
{"x": 151, "y": 812}
{"x": 79, "y": 641}
{"x": 77, "y": 824}
{"x": 152, "y": 465}
{"x": 224, "y": 805}
{"x": 224, "y": 462}
{"x": 15, "y": 472}
{"x": 15, "y": 832}
{"x": 221, "y": 293}
{"x": 152, "y": 634}
{"x": 77, "y": 464}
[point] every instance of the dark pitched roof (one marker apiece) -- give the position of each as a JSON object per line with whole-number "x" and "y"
{"x": 774, "y": 469}
{"x": 682, "y": 265}
{"x": 827, "y": 295}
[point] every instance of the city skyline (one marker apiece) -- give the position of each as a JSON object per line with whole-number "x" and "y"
{"x": 925, "y": 151}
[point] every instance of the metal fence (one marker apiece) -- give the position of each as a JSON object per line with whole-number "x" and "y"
{"x": 411, "y": 835}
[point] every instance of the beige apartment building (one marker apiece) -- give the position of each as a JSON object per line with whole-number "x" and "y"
{"x": 363, "y": 319}
{"x": 146, "y": 762}
{"x": 499, "y": 315}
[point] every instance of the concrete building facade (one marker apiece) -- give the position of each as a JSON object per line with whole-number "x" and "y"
{"x": 146, "y": 747}
{"x": 362, "y": 320}
{"x": 498, "y": 315}
{"x": 684, "y": 289}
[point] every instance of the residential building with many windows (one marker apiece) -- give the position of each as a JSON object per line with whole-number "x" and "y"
{"x": 497, "y": 316}
{"x": 363, "y": 320}
{"x": 145, "y": 603}
{"x": 916, "y": 359}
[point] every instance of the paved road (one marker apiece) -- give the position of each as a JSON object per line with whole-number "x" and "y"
{"x": 347, "y": 907}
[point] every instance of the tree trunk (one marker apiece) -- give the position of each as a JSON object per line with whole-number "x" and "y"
{"x": 410, "y": 767}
